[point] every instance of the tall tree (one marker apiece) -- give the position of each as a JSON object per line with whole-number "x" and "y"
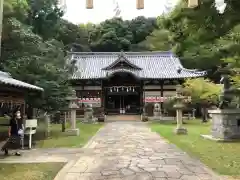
{"x": 111, "y": 35}
{"x": 30, "y": 59}
{"x": 73, "y": 36}
{"x": 45, "y": 17}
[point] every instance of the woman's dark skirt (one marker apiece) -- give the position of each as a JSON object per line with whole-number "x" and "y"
{"x": 12, "y": 143}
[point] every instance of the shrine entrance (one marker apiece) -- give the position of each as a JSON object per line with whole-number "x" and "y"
{"x": 123, "y": 94}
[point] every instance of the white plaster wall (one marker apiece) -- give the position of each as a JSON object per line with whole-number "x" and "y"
{"x": 88, "y": 87}
{"x": 158, "y": 93}
{"x": 152, "y": 93}
{"x": 159, "y": 87}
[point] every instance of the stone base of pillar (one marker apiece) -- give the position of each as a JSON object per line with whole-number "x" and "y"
{"x": 181, "y": 130}
{"x": 72, "y": 132}
{"x": 157, "y": 118}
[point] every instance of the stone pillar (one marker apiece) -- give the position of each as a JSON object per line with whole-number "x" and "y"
{"x": 48, "y": 125}
{"x": 194, "y": 113}
{"x": 179, "y": 118}
{"x": 225, "y": 125}
{"x": 73, "y": 118}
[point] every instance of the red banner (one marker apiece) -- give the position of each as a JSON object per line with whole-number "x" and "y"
{"x": 157, "y": 99}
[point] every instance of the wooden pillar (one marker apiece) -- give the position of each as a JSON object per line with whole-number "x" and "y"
{"x": 144, "y": 94}
{"x": 141, "y": 96}
{"x": 102, "y": 96}
{"x": 82, "y": 94}
{"x": 161, "y": 94}
{"x": 1, "y": 23}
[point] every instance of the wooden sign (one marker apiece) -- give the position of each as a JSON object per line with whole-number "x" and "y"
{"x": 192, "y": 3}
{"x": 89, "y": 4}
{"x": 140, "y": 4}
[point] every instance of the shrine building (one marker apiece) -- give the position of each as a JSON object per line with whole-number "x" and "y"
{"x": 123, "y": 82}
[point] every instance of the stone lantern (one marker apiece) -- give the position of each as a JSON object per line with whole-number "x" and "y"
{"x": 73, "y": 107}
{"x": 179, "y": 108}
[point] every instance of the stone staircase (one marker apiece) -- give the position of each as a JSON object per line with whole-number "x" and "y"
{"x": 123, "y": 118}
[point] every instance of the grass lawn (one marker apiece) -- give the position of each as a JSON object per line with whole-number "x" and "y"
{"x": 223, "y": 158}
{"x": 59, "y": 139}
{"x": 43, "y": 171}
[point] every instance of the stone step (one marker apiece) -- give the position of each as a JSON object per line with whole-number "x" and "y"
{"x": 123, "y": 118}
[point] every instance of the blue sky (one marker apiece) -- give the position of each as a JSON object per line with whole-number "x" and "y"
{"x": 103, "y": 9}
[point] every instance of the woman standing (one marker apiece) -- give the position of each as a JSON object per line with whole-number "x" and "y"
{"x": 14, "y": 132}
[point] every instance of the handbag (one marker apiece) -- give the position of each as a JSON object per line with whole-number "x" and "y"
{"x": 20, "y": 132}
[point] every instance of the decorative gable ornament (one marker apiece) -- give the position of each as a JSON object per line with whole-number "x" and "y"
{"x": 140, "y": 4}
{"x": 89, "y": 4}
{"x": 122, "y": 62}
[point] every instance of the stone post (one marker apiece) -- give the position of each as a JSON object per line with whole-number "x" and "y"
{"x": 48, "y": 125}
{"x": 179, "y": 107}
{"x": 179, "y": 118}
{"x": 73, "y": 118}
{"x": 194, "y": 113}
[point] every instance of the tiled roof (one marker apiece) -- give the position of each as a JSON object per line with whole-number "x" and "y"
{"x": 154, "y": 65}
{"x": 121, "y": 59}
{"x": 5, "y": 78}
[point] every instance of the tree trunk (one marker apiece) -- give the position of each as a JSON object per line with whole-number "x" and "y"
{"x": 204, "y": 114}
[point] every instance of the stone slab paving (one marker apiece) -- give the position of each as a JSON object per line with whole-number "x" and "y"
{"x": 43, "y": 155}
{"x": 130, "y": 151}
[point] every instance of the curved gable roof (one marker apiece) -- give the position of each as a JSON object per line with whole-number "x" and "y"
{"x": 153, "y": 65}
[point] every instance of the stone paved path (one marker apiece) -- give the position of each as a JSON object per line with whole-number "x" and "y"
{"x": 43, "y": 155}
{"x": 130, "y": 151}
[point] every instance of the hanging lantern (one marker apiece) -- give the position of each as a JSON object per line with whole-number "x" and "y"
{"x": 192, "y": 3}
{"x": 220, "y": 6}
{"x": 89, "y": 4}
{"x": 140, "y": 4}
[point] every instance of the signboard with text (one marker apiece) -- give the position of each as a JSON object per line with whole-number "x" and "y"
{"x": 157, "y": 99}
